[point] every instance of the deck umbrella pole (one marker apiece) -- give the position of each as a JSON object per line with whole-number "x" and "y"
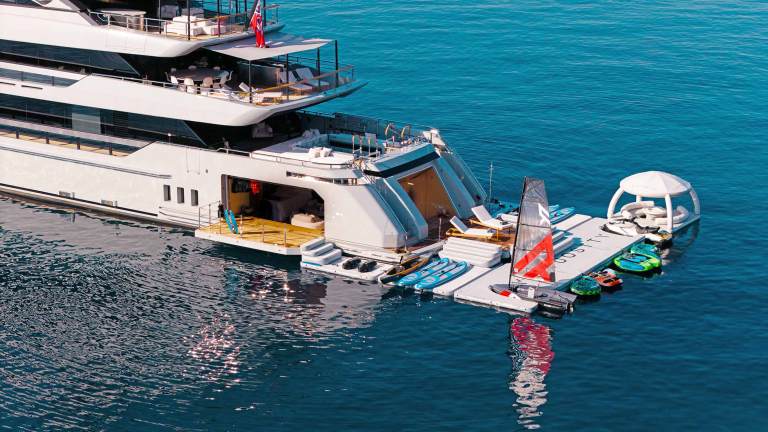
{"x": 318, "y": 62}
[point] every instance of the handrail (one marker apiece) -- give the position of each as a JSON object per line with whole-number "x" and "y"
{"x": 159, "y": 26}
{"x": 210, "y": 213}
{"x": 286, "y": 160}
{"x": 243, "y": 96}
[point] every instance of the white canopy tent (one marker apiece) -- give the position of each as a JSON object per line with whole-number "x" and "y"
{"x": 656, "y": 184}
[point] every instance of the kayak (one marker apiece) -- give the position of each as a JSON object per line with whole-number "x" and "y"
{"x": 606, "y": 278}
{"x": 446, "y": 274}
{"x": 561, "y": 214}
{"x": 585, "y": 286}
{"x": 646, "y": 249}
{"x": 636, "y": 263}
{"x": 407, "y": 266}
{"x": 425, "y": 271}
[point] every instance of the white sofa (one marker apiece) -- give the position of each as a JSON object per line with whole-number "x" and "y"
{"x": 197, "y": 25}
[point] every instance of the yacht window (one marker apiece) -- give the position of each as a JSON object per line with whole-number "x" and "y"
{"x": 166, "y": 192}
{"x": 193, "y": 198}
{"x": 180, "y": 195}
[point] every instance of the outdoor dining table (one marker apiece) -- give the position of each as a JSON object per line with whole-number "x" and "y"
{"x": 198, "y": 75}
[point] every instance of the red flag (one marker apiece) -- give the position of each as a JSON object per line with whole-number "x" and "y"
{"x": 257, "y": 24}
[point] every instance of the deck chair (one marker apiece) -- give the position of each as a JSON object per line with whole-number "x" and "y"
{"x": 306, "y": 75}
{"x": 180, "y": 86}
{"x": 470, "y": 232}
{"x": 190, "y": 84}
{"x": 292, "y": 80}
{"x": 221, "y": 83}
{"x": 485, "y": 219}
{"x": 205, "y": 89}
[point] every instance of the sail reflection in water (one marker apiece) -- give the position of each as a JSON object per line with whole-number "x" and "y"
{"x": 531, "y": 353}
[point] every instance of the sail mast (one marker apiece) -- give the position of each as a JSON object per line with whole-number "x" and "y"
{"x": 517, "y": 229}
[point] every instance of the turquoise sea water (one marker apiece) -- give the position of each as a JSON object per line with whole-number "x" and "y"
{"x": 116, "y": 325}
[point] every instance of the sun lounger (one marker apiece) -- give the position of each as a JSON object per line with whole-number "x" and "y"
{"x": 470, "y": 232}
{"x": 484, "y": 218}
{"x": 306, "y": 75}
{"x": 302, "y": 88}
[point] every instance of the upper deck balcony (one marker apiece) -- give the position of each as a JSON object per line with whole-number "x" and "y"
{"x": 228, "y": 84}
{"x": 197, "y": 22}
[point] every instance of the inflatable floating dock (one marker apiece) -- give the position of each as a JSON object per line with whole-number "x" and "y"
{"x": 591, "y": 249}
{"x": 548, "y": 256}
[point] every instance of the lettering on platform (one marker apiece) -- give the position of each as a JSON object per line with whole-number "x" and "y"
{"x": 583, "y": 247}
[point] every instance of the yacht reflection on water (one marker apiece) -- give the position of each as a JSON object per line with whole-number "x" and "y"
{"x": 532, "y": 355}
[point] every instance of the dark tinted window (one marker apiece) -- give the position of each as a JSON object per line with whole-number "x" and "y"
{"x": 102, "y": 60}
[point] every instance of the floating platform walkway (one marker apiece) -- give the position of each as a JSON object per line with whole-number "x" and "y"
{"x": 590, "y": 249}
{"x": 261, "y": 234}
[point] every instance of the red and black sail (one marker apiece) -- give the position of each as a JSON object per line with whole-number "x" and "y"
{"x": 533, "y": 256}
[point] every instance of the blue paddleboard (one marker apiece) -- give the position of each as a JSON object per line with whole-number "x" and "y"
{"x": 231, "y": 221}
{"x": 560, "y": 215}
{"x": 430, "y": 268}
{"x": 443, "y": 276}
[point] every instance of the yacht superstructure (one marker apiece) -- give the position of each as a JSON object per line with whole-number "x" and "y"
{"x": 169, "y": 111}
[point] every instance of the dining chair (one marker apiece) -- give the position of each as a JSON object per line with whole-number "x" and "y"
{"x": 190, "y": 83}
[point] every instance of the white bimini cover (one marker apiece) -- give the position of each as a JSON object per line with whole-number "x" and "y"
{"x": 278, "y": 44}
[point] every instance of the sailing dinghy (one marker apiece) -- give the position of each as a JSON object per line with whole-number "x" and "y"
{"x": 533, "y": 259}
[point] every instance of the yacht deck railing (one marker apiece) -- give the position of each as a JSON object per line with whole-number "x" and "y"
{"x": 274, "y": 95}
{"x": 191, "y": 28}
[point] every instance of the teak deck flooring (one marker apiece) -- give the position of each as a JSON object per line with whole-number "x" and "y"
{"x": 266, "y": 231}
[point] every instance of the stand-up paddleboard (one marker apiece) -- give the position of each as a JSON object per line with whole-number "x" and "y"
{"x": 561, "y": 214}
{"x": 533, "y": 258}
{"x": 448, "y": 273}
{"x": 427, "y": 270}
{"x": 229, "y": 216}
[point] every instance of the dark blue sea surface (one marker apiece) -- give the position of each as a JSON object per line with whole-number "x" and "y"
{"x": 108, "y": 324}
